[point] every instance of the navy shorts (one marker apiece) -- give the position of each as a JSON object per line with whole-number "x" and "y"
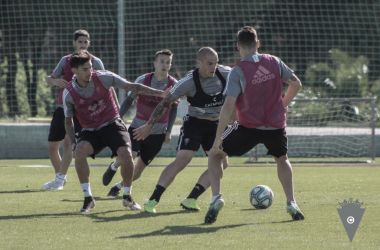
{"x": 57, "y": 130}
{"x": 147, "y": 149}
{"x": 238, "y": 140}
{"x": 114, "y": 136}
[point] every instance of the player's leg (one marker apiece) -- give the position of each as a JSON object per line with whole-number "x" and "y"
{"x": 67, "y": 157}
{"x": 139, "y": 168}
{"x": 115, "y": 189}
{"x": 208, "y": 138}
{"x": 188, "y": 143}
{"x": 215, "y": 173}
{"x": 116, "y": 137}
{"x": 285, "y": 175}
{"x": 149, "y": 148}
{"x": 167, "y": 177}
{"x": 202, "y": 185}
{"x": 237, "y": 140}
{"x": 55, "y": 157}
{"x": 276, "y": 142}
{"x": 112, "y": 168}
{"x": 56, "y": 135}
{"x": 82, "y": 150}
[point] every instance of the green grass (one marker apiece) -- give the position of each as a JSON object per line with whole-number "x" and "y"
{"x": 32, "y": 218}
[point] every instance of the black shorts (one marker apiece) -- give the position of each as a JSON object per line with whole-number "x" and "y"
{"x": 196, "y": 132}
{"x": 114, "y": 136}
{"x": 57, "y": 130}
{"x": 147, "y": 149}
{"x": 238, "y": 140}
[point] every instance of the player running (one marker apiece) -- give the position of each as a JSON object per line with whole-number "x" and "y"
{"x": 161, "y": 132}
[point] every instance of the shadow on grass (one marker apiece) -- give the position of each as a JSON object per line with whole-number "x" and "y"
{"x": 130, "y": 215}
{"x": 96, "y": 199}
{"x": 261, "y": 210}
{"x": 183, "y": 230}
{"x": 56, "y": 215}
{"x": 22, "y": 191}
{"x": 97, "y": 217}
{"x": 284, "y": 221}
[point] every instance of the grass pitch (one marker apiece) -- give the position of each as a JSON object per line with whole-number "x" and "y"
{"x": 32, "y": 218}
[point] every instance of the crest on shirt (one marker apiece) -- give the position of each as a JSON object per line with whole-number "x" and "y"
{"x": 187, "y": 141}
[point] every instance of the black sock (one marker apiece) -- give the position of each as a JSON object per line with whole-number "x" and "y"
{"x": 196, "y": 192}
{"x": 158, "y": 191}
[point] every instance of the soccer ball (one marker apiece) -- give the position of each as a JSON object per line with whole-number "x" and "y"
{"x": 261, "y": 197}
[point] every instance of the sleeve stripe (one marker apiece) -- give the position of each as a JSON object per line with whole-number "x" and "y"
{"x": 187, "y": 77}
{"x": 140, "y": 78}
{"x": 65, "y": 93}
{"x": 228, "y": 81}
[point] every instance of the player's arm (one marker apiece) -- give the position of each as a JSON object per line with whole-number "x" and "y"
{"x": 225, "y": 116}
{"x": 142, "y": 132}
{"x": 117, "y": 81}
{"x": 53, "y": 80}
{"x": 234, "y": 116}
{"x": 234, "y": 88}
{"x": 70, "y": 131}
{"x": 115, "y": 97}
{"x": 294, "y": 86}
{"x": 138, "y": 88}
{"x": 126, "y": 105}
{"x": 69, "y": 111}
{"x": 172, "y": 117}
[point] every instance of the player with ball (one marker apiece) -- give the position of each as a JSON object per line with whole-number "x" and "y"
{"x": 254, "y": 87}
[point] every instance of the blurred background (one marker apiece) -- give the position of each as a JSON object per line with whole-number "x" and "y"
{"x": 333, "y": 47}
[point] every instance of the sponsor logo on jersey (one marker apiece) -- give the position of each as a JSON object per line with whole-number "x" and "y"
{"x": 262, "y": 75}
{"x": 96, "y": 107}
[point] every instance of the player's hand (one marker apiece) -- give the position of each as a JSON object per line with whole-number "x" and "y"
{"x": 166, "y": 92}
{"x": 234, "y": 117}
{"x": 217, "y": 148}
{"x": 168, "y": 137}
{"x": 177, "y": 101}
{"x": 60, "y": 83}
{"x": 142, "y": 132}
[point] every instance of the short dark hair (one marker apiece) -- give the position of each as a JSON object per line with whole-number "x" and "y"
{"x": 163, "y": 52}
{"x": 79, "y": 33}
{"x": 79, "y": 58}
{"x": 247, "y": 37}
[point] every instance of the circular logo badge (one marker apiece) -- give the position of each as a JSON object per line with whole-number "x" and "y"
{"x": 350, "y": 220}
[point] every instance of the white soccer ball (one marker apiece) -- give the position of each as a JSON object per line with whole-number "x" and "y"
{"x": 261, "y": 197}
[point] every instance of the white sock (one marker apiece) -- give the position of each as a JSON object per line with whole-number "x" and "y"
{"x": 213, "y": 199}
{"x": 56, "y": 175}
{"x": 127, "y": 190}
{"x": 118, "y": 185}
{"x": 86, "y": 189}
{"x": 60, "y": 178}
{"x": 113, "y": 167}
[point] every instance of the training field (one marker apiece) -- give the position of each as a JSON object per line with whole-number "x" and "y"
{"x": 32, "y": 218}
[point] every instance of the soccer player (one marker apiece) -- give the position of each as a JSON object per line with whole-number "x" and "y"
{"x": 161, "y": 132}
{"x": 203, "y": 88}
{"x": 57, "y": 132}
{"x": 254, "y": 88}
{"x": 88, "y": 96}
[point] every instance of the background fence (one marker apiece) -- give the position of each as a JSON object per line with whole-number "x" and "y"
{"x": 333, "y": 46}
